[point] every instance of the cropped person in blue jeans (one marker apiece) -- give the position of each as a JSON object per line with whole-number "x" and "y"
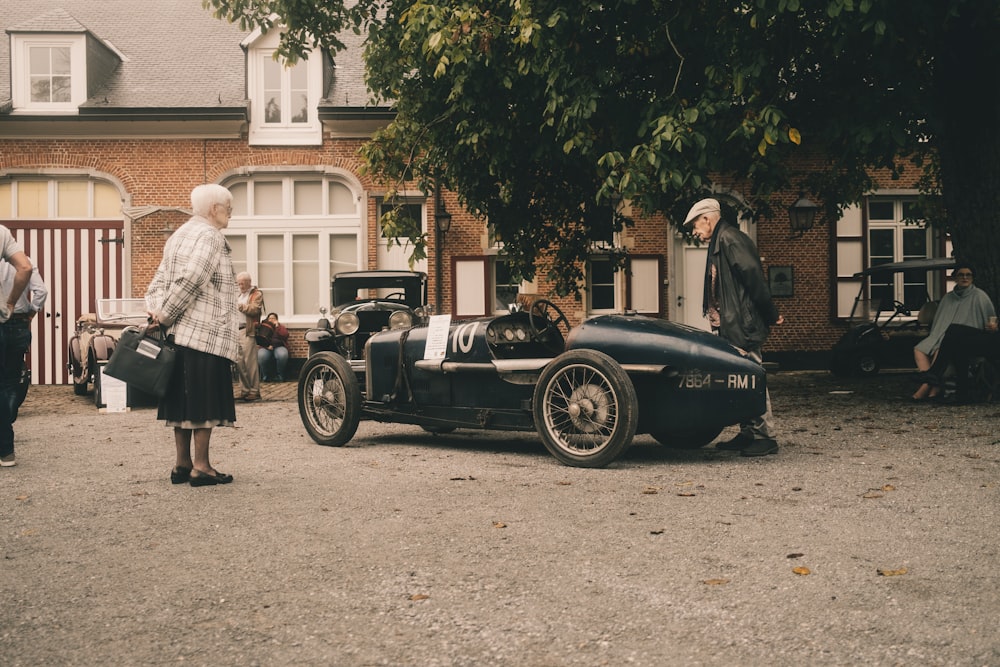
{"x": 272, "y": 348}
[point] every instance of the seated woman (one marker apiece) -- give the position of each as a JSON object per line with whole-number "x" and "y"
{"x": 966, "y": 305}
{"x": 960, "y": 345}
{"x": 272, "y": 347}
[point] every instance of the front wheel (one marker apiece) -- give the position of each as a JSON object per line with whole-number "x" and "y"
{"x": 329, "y": 399}
{"x": 585, "y": 409}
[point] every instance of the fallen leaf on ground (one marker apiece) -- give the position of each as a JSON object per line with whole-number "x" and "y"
{"x": 499, "y": 524}
{"x": 687, "y": 494}
{"x": 419, "y": 596}
{"x": 651, "y": 490}
{"x": 796, "y": 555}
{"x": 21, "y": 498}
{"x": 891, "y": 573}
{"x": 715, "y": 582}
{"x": 801, "y": 570}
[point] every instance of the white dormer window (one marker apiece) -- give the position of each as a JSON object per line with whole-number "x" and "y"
{"x": 48, "y": 74}
{"x": 284, "y": 97}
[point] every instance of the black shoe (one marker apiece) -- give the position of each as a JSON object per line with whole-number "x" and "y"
{"x": 203, "y": 479}
{"x": 736, "y": 444}
{"x": 761, "y": 447}
{"x": 180, "y": 475}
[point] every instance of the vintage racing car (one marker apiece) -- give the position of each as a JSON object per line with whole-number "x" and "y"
{"x": 586, "y": 391}
{"x": 364, "y": 303}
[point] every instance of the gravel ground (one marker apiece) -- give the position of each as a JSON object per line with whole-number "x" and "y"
{"x": 870, "y": 539}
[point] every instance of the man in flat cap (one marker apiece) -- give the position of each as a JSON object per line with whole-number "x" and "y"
{"x": 737, "y": 302}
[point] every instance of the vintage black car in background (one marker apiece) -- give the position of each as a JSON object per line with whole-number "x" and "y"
{"x": 364, "y": 303}
{"x": 587, "y": 392}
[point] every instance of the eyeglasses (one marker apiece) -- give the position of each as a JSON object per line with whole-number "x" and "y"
{"x": 229, "y": 209}
{"x": 963, "y": 274}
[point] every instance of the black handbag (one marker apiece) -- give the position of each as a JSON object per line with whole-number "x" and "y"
{"x": 143, "y": 359}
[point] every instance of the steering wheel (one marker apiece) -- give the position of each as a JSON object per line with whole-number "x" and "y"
{"x": 395, "y": 296}
{"x": 901, "y": 308}
{"x": 540, "y": 323}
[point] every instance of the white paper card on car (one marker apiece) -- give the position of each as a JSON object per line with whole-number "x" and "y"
{"x": 437, "y": 337}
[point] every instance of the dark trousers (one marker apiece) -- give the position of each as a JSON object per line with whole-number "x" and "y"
{"x": 960, "y": 345}
{"x": 15, "y": 336}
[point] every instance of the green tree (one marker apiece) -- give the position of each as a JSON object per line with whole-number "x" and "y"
{"x": 542, "y": 114}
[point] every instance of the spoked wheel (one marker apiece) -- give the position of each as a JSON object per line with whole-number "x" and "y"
{"x": 585, "y": 409}
{"x": 329, "y": 399}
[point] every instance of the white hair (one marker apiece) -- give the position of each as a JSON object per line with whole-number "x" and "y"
{"x": 205, "y": 196}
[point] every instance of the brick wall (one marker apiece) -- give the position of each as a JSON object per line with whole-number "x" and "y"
{"x": 162, "y": 172}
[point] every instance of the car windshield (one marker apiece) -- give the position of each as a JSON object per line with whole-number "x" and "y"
{"x": 401, "y": 286}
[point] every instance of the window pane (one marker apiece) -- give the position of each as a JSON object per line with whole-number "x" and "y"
{"x": 341, "y": 200}
{"x": 881, "y": 210}
{"x": 32, "y": 199}
{"x": 272, "y": 89}
{"x": 238, "y": 251}
{"x": 239, "y": 191}
{"x": 881, "y": 246}
{"x": 6, "y": 204}
{"x": 914, "y": 242}
{"x": 38, "y": 61}
{"x": 267, "y": 198}
{"x": 343, "y": 253}
{"x": 107, "y": 201}
{"x": 40, "y": 89}
{"x": 60, "y": 60}
{"x": 300, "y": 108}
{"x": 61, "y": 89}
{"x": 308, "y": 197}
{"x": 271, "y": 270}
{"x": 505, "y": 290}
{"x": 72, "y": 199}
{"x": 602, "y": 286}
{"x": 305, "y": 273}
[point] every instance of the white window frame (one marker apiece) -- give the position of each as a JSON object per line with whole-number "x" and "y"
{"x": 288, "y": 225}
{"x": 259, "y": 51}
{"x": 853, "y": 248}
{"x": 21, "y": 46}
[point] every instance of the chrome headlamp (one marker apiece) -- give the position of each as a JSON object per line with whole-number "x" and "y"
{"x": 347, "y": 324}
{"x": 400, "y": 319}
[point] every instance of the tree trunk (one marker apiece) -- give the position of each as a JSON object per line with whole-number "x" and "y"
{"x": 968, "y": 105}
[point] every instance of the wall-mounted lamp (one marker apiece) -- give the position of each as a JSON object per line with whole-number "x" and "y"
{"x": 801, "y": 215}
{"x": 442, "y": 218}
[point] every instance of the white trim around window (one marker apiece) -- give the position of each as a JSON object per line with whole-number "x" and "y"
{"x": 283, "y": 98}
{"x": 40, "y": 68}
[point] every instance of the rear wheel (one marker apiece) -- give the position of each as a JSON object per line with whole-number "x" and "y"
{"x": 329, "y": 399}
{"x": 585, "y": 409}
{"x": 866, "y": 364}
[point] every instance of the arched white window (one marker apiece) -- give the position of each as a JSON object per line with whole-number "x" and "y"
{"x": 293, "y": 233}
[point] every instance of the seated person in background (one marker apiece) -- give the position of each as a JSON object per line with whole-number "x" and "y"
{"x": 960, "y": 345}
{"x": 966, "y": 305}
{"x": 272, "y": 347}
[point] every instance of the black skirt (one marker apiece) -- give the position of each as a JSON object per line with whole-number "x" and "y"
{"x": 200, "y": 393}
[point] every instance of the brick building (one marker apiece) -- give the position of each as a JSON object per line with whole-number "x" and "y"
{"x": 111, "y": 111}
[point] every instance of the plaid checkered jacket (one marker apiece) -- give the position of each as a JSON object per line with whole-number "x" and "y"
{"x": 194, "y": 290}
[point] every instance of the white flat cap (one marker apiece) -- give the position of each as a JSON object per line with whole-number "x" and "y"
{"x": 701, "y": 208}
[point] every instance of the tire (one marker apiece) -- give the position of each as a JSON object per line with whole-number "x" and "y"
{"x": 329, "y": 399}
{"x": 585, "y": 409}
{"x": 866, "y": 364}
{"x": 691, "y": 440}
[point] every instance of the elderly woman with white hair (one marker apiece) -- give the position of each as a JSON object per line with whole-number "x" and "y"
{"x": 193, "y": 295}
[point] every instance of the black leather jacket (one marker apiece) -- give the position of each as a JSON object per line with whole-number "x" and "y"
{"x": 746, "y": 310}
